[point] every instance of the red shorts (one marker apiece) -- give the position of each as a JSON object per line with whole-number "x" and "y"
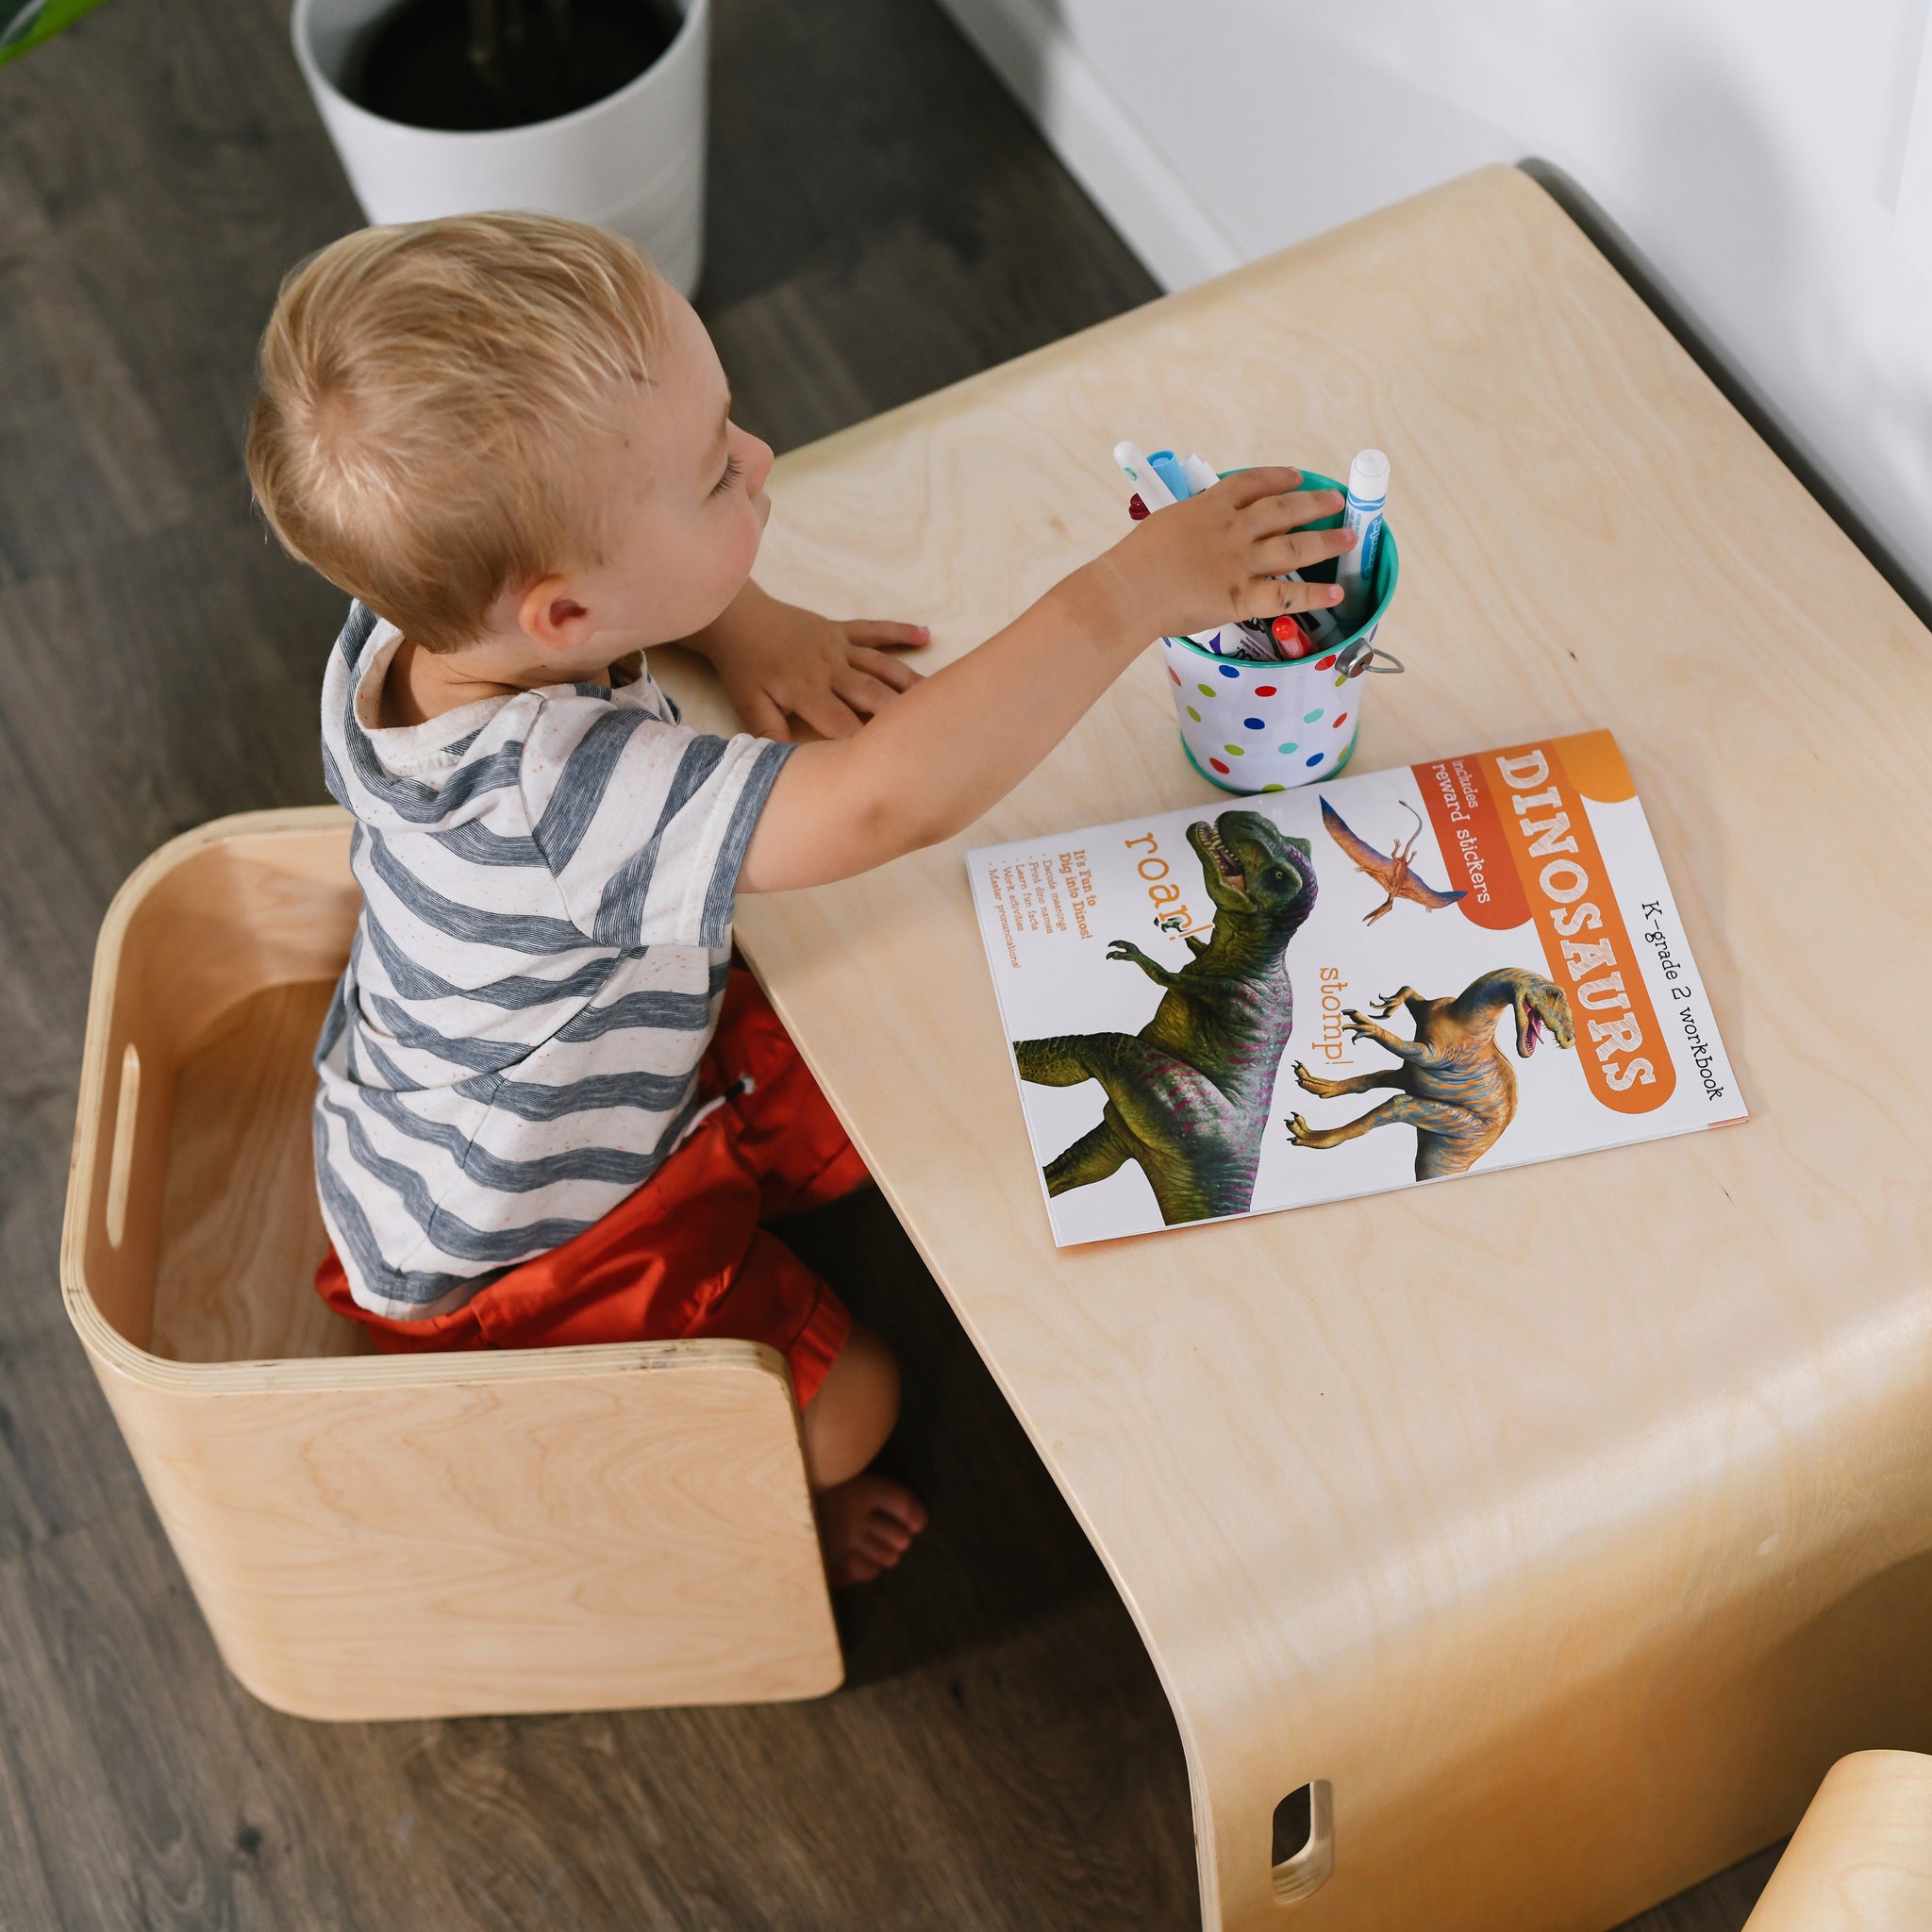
{"x": 686, "y": 1254}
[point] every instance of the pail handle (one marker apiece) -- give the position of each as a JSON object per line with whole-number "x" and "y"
{"x": 1395, "y": 668}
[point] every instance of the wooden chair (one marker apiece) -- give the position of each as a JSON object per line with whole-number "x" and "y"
{"x": 1861, "y": 1859}
{"x": 378, "y": 1536}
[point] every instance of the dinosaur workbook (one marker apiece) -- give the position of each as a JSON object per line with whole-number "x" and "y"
{"x": 1387, "y": 979}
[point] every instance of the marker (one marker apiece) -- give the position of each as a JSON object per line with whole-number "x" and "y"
{"x": 1170, "y": 473}
{"x": 1294, "y": 641}
{"x": 1306, "y": 631}
{"x": 1164, "y": 479}
{"x": 1250, "y": 640}
{"x": 1141, "y": 473}
{"x": 1368, "y": 491}
{"x": 1200, "y": 475}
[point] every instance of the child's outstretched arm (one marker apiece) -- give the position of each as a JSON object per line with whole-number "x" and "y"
{"x": 947, "y": 750}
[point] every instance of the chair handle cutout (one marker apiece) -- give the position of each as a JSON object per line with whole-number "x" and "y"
{"x": 1302, "y": 1851}
{"x": 121, "y": 1160}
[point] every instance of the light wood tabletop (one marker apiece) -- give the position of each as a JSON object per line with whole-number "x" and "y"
{"x": 1567, "y": 1522}
{"x": 1861, "y": 1862}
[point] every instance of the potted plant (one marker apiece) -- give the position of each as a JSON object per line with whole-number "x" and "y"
{"x": 25, "y": 23}
{"x": 592, "y": 108}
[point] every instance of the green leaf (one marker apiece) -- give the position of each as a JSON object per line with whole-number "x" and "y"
{"x": 25, "y": 23}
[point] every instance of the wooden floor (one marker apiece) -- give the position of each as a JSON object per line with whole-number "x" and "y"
{"x": 883, "y": 222}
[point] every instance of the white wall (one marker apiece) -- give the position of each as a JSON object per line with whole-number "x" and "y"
{"x": 1753, "y": 150}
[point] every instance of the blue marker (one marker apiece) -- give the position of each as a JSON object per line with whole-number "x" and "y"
{"x": 1368, "y": 492}
{"x": 1164, "y": 465}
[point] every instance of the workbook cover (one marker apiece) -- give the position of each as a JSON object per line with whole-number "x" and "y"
{"x": 1387, "y": 979}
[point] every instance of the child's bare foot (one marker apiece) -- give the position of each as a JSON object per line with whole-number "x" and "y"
{"x": 865, "y": 1526}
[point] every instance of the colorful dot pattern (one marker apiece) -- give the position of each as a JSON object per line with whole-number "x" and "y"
{"x": 1229, "y": 724}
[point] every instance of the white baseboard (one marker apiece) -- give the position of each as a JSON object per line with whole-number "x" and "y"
{"x": 1104, "y": 146}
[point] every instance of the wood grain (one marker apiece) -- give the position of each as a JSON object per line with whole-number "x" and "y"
{"x": 241, "y": 1227}
{"x": 1861, "y": 1859}
{"x": 1570, "y": 1521}
{"x": 373, "y": 1537}
{"x": 160, "y": 661}
{"x": 882, "y": 221}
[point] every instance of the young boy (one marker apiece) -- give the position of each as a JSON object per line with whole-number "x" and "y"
{"x": 550, "y": 1111}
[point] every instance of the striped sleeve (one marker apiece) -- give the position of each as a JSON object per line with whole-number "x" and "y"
{"x": 643, "y": 824}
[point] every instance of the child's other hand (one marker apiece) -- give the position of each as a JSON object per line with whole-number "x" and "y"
{"x": 1222, "y": 556}
{"x": 793, "y": 664}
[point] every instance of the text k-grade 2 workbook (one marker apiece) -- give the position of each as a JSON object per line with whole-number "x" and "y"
{"x": 1308, "y": 994}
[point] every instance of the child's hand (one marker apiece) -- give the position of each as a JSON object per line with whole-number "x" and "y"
{"x": 972, "y": 731}
{"x": 777, "y": 663}
{"x": 1222, "y": 556}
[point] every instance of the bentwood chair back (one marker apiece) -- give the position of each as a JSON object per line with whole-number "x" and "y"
{"x": 389, "y": 1536}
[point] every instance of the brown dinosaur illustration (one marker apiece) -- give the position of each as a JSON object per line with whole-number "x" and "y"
{"x": 1392, "y": 873}
{"x": 1457, "y": 1090}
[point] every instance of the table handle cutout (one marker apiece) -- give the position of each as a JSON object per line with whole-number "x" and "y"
{"x": 1303, "y": 1854}
{"x": 121, "y": 1161}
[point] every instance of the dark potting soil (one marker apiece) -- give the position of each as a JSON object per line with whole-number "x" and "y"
{"x": 468, "y": 66}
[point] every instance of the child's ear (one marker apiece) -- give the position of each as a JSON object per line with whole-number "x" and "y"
{"x": 552, "y": 617}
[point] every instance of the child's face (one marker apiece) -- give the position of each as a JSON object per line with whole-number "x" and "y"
{"x": 687, "y": 489}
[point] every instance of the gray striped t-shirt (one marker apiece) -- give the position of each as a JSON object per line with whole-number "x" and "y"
{"x": 547, "y": 885}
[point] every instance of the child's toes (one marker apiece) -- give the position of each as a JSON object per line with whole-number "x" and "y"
{"x": 886, "y": 1540}
{"x": 866, "y": 1526}
{"x": 882, "y": 1551}
{"x": 898, "y": 1504}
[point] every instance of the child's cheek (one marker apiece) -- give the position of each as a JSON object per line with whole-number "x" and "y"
{"x": 755, "y": 529}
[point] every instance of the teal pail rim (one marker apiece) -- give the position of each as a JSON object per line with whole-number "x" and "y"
{"x": 1387, "y": 569}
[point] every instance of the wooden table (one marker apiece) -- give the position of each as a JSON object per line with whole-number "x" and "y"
{"x": 1570, "y": 1534}
{"x": 1861, "y": 1859}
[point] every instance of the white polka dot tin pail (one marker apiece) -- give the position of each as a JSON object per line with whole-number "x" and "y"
{"x": 1256, "y": 726}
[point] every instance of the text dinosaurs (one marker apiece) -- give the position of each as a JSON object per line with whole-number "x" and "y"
{"x": 1457, "y": 1091}
{"x": 1187, "y": 1096}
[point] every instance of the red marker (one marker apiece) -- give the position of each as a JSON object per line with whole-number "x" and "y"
{"x": 1290, "y": 637}
{"x": 1136, "y": 509}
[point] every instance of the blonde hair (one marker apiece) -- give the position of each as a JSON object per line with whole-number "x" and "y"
{"x": 424, "y": 392}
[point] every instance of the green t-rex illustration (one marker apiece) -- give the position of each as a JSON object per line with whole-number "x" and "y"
{"x": 1187, "y": 1096}
{"x": 1457, "y": 1092}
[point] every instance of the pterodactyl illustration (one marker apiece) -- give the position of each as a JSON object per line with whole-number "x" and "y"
{"x": 1392, "y": 873}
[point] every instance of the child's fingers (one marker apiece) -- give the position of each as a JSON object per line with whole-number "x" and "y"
{"x": 1281, "y": 596}
{"x": 892, "y": 671}
{"x": 1269, "y": 515}
{"x": 829, "y": 715}
{"x": 866, "y": 694}
{"x": 1298, "y": 549}
{"x": 1249, "y": 486}
{"x": 763, "y": 718}
{"x": 879, "y": 633}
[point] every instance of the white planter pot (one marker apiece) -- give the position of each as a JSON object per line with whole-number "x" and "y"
{"x": 634, "y": 161}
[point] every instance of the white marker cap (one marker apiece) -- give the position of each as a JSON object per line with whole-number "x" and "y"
{"x": 1200, "y": 474}
{"x": 1368, "y": 476}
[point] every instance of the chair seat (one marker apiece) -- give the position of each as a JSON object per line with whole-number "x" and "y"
{"x": 389, "y": 1536}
